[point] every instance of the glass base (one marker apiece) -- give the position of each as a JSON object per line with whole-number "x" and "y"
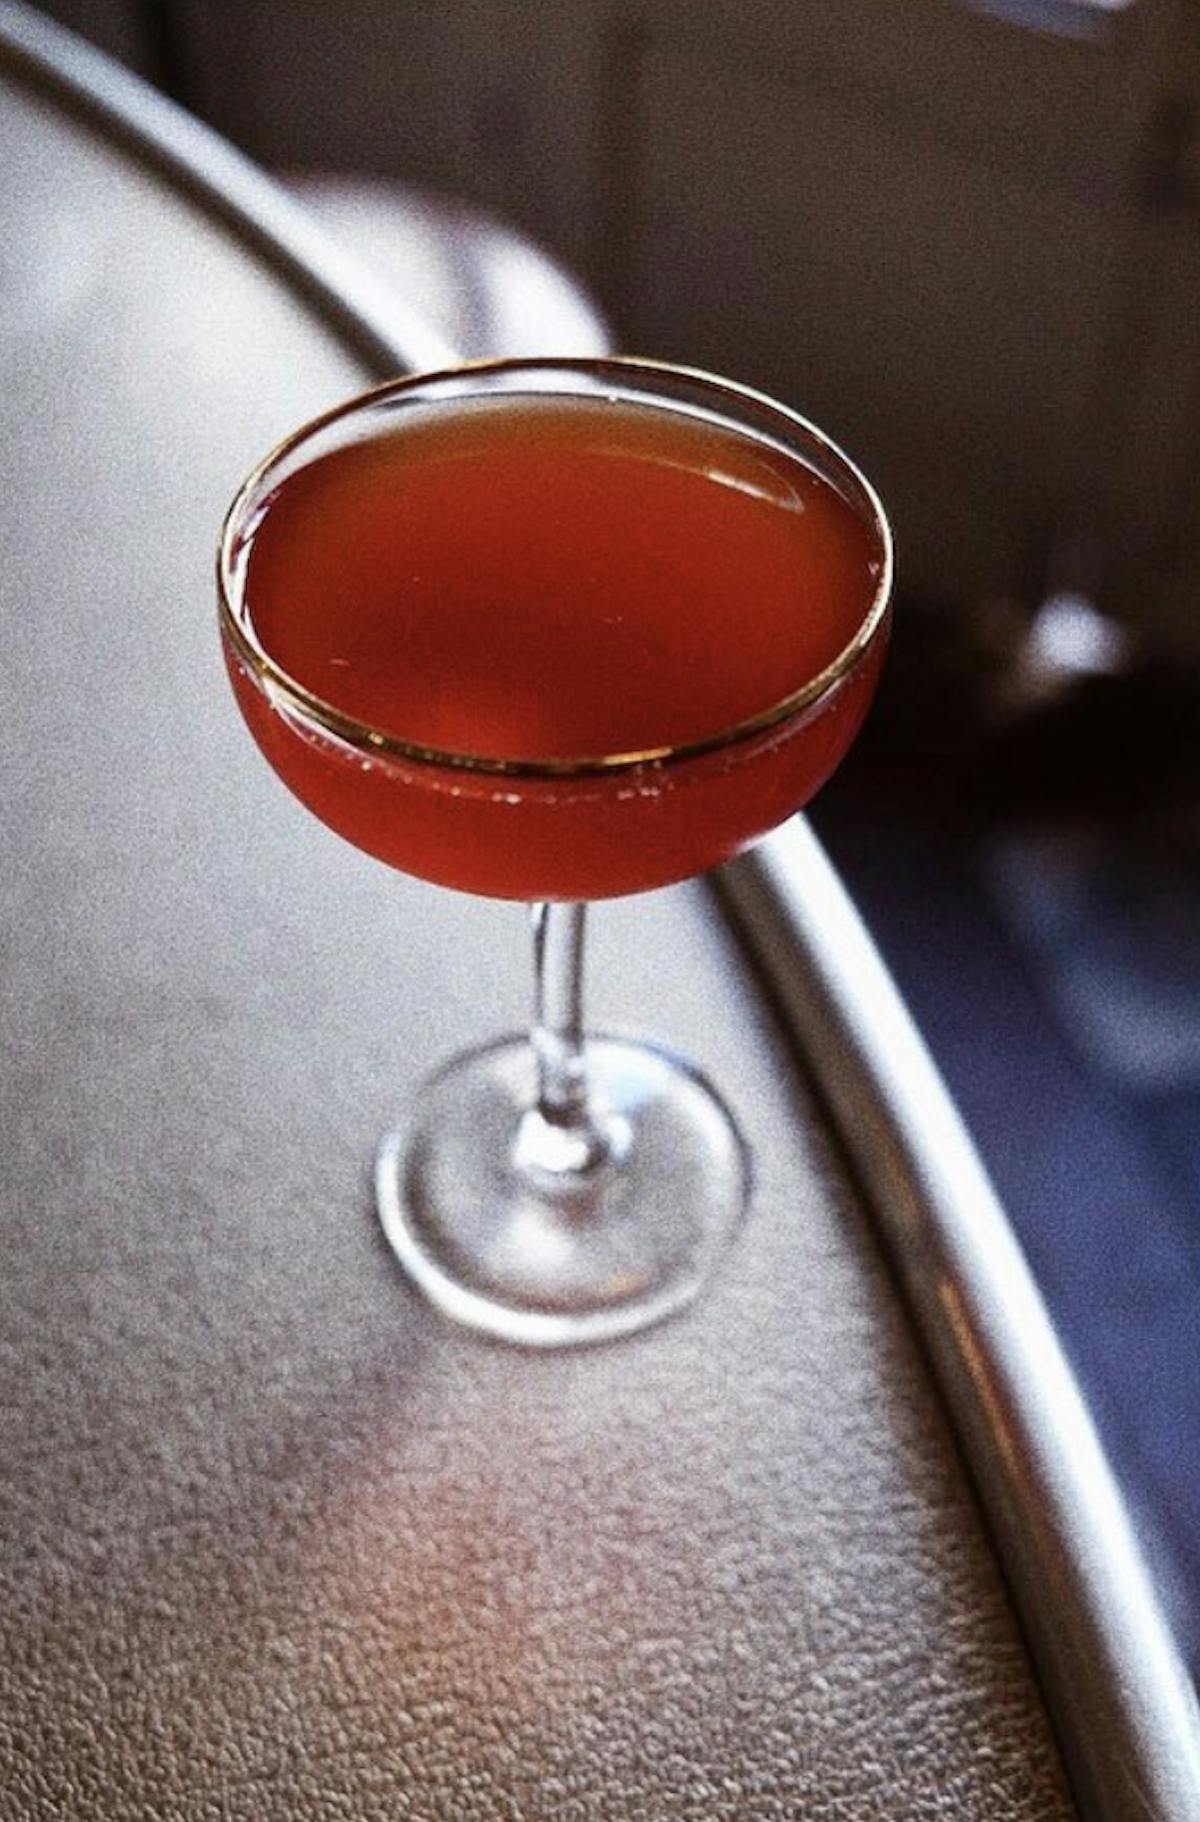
{"x": 552, "y": 1237}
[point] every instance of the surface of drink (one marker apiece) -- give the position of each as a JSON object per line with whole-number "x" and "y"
{"x": 544, "y": 583}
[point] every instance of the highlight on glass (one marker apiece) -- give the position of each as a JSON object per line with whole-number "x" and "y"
{"x": 557, "y": 630}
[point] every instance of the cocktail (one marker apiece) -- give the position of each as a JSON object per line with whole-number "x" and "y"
{"x": 557, "y": 630}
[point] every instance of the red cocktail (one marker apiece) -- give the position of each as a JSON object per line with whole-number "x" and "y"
{"x": 555, "y": 630}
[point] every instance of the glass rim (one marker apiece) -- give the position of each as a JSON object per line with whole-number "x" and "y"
{"x": 285, "y": 692}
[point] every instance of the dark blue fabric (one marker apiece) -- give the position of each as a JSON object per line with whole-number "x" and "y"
{"x": 1101, "y": 1181}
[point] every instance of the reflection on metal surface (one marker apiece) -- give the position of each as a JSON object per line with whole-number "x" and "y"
{"x": 981, "y": 1370}
{"x": 479, "y": 281}
{"x": 1124, "y": 1707}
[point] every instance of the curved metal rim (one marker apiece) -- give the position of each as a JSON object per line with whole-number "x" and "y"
{"x": 365, "y": 313}
{"x": 300, "y": 701}
{"x": 1122, "y": 1704}
{"x": 1121, "y": 1699}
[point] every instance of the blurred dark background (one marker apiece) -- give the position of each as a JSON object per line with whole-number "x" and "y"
{"x": 965, "y": 238}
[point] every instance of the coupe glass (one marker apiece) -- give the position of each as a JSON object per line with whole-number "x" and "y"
{"x": 551, "y": 1188}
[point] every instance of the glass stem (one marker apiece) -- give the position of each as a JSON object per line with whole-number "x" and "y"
{"x": 560, "y": 1134}
{"x": 558, "y": 933}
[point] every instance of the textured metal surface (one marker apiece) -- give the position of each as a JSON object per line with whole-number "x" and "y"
{"x": 273, "y": 1540}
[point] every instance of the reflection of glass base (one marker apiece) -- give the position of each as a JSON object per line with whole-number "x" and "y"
{"x": 487, "y": 1209}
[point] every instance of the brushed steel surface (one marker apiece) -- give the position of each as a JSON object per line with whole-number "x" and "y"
{"x": 274, "y": 1541}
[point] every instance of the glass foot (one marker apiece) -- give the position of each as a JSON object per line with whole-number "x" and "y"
{"x": 551, "y": 1236}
